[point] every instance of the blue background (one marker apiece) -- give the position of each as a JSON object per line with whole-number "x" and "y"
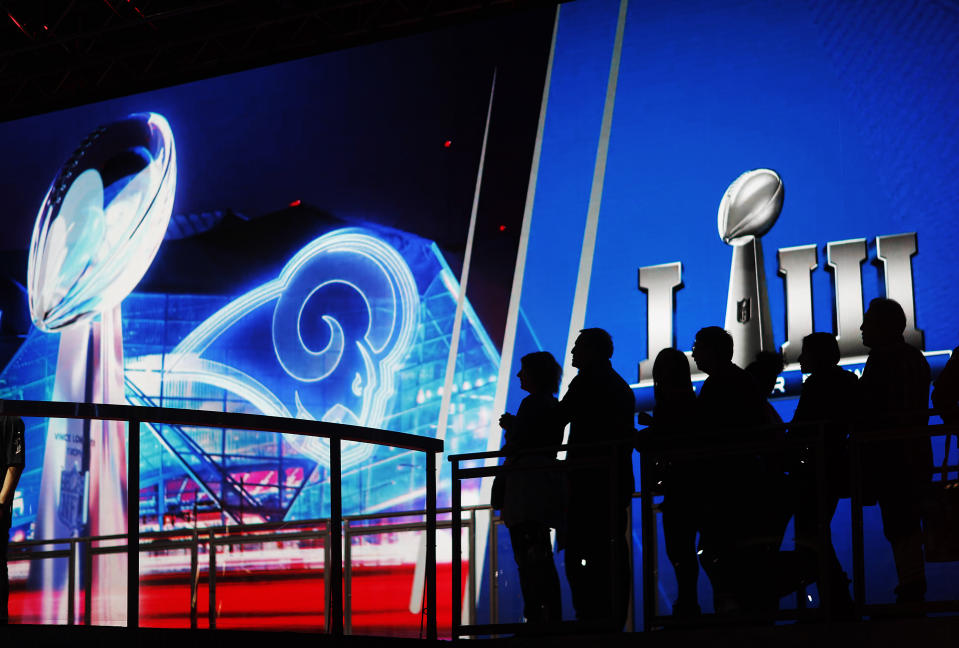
{"x": 852, "y": 103}
{"x": 848, "y": 104}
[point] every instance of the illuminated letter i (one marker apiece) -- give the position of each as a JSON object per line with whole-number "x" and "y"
{"x": 844, "y": 259}
{"x": 895, "y": 253}
{"x": 795, "y": 266}
{"x": 659, "y": 282}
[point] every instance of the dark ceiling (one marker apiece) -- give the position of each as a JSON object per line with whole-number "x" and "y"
{"x": 60, "y": 53}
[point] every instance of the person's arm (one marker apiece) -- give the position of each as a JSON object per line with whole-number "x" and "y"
{"x": 807, "y": 409}
{"x": 534, "y": 422}
{"x": 507, "y": 421}
{"x": 10, "y": 480}
{"x": 945, "y": 392}
{"x": 15, "y": 460}
{"x": 567, "y": 405}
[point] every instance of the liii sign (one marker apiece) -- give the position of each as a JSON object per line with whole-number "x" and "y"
{"x": 843, "y": 260}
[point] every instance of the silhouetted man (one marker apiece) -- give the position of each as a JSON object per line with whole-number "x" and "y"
{"x": 894, "y": 389}
{"x": 11, "y": 466}
{"x": 730, "y": 401}
{"x": 829, "y": 394}
{"x": 599, "y": 406}
{"x": 731, "y": 407}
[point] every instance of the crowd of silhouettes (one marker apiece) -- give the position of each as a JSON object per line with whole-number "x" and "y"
{"x": 731, "y": 471}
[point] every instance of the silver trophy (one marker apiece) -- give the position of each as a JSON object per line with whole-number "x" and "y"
{"x": 97, "y": 232}
{"x": 748, "y": 210}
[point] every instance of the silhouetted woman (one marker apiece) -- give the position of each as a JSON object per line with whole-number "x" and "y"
{"x": 829, "y": 399}
{"x": 673, "y": 425}
{"x": 531, "y": 500}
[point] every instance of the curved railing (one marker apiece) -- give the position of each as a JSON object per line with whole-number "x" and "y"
{"x": 337, "y": 433}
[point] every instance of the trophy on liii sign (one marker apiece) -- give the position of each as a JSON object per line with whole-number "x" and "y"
{"x": 748, "y": 210}
{"x": 99, "y": 227}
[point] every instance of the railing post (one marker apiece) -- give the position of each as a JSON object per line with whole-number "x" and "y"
{"x": 471, "y": 578}
{"x": 630, "y": 551}
{"x": 457, "y": 564}
{"x": 326, "y": 578}
{"x": 347, "y": 579}
{"x": 493, "y": 570}
{"x": 336, "y": 538}
{"x": 88, "y": 582}
{"x": 194, "y": 578}
{"x": 858, "y": 542}
{"x": 133, "y": 524}
{"x": 211, "y": 582}
{"x": 431, "y": 547}
{"x": 648, "y": 523}
{"x": 822, "y": 526}
{"x": 72, "y": 585}
{"x": 615, "y": 555}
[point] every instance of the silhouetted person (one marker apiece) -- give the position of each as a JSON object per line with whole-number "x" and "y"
{"x": 945, "y": 393}
{"x": 765, "y": 370}
{"x": 894, "y": 390}
{"x": 828, "y": 395}
{"x": 673, "y": 425}
{"x": 531, "y": 504}
{"x": 12, "y": 459}
{"x": 599, "y": 406}
{"x": 731, "y": 407}
{"x": 729, "y": 400}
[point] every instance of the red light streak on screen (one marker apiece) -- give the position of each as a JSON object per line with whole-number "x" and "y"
{"x": 19, "y": 26}
{"x": 279, "y": 597}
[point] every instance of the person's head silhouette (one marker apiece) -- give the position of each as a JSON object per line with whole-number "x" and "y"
{"x": 593, "y": 348}
{"x": 819, "y": 351}
{"x": 712, "y": 349}
{"x": 539, "y": 373}
{"x": 671, "y": 375}
{"x": 883, "y": 323}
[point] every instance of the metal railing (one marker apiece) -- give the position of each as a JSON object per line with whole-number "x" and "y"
{"x": 858, "y": 442}
{"x": 600, "y": 455}
{"x": 649, "y": 510}
{"x": 335, "y": 432}
{"x": 193, "y": 539}
{"x": 337, "y": 528}
{"x": 779, "y": 448}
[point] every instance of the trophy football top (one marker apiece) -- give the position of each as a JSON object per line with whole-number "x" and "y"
{"x": 750, "y": 206}
{"x": 102, "y": 221}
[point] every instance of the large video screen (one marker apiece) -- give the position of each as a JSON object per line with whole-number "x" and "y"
{"x": 657, "y": 109}
{"x": 291, "y": 241}
{"x": 295, "y": 240}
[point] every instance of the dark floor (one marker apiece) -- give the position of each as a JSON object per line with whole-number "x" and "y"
{"x": 933, "y": 632}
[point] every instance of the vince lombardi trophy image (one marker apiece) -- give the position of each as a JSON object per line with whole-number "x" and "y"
{"x": 748, "y": 210}
{"x": 98, "y": 229}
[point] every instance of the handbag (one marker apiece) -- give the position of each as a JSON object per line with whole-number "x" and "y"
{"x": 940, "y": 515}
{"x": 497, "y": 493}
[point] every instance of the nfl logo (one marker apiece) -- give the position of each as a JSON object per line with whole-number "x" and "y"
{"x": 742, "y": 310}
{"x": 70, "y": 508}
